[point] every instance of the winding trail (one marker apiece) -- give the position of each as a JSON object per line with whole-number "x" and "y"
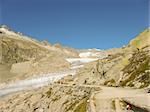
{"x": 138, "y": 98}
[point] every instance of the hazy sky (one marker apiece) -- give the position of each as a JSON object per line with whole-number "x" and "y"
{"x": 77, "y": 23}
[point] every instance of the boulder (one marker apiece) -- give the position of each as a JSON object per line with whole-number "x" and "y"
{"x": 22, "y": 67}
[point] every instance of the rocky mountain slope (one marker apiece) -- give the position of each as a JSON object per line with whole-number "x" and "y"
{"x": 88, "y": 90}
{"x": 25, "y": 56}
{"x": 129, "y": 66}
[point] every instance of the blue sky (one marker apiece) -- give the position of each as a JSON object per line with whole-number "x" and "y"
{"x": 77, "y": 23}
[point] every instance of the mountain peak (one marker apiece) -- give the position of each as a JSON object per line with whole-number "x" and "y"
{"x": 142, "y": 40}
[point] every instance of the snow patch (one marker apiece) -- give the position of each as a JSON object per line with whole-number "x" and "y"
{"x": 88, "y": 54}
{"x": 34, "y": 83}
{"x": 95, "y": 49}
{"x": 82, "y": 60}
{"x": 6, "y": 31}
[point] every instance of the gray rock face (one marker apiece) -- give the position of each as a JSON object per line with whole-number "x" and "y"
{"x": 14, "y": 51}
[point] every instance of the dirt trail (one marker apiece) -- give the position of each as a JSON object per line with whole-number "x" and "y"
{"x": 137, "y": 97}
{"x": 101, "y": 99}
{"x": 117, "y": 105}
